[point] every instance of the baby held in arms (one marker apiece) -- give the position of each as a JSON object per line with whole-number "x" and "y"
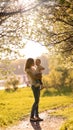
{"x": 37, "y": 69}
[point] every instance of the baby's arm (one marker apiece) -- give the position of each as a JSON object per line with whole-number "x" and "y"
{"x": 41, "y": 68}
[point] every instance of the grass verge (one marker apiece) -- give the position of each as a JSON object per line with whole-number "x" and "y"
{"x": 15, "y": 106}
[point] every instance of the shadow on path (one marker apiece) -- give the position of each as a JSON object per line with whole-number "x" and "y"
{"x": 36, "y": 125}
{"x": 49, "y": 123}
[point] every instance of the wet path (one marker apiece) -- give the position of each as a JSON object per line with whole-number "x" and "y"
{"x": 49, "y": 123}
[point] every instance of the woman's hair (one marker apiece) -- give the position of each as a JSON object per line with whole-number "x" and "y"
{"x": 29, "y": 63}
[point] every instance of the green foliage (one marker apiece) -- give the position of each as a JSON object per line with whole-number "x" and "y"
{"x": 60, "y": 75}
{"x": 62, "y": 1}
{"x": 49, "y": 22}
{"x": 68, "y": 125}
{"x": 15, "y": 105}
{"x": 61, "y": 80}
{"x": 67, "y": 112}
{"x": 12, "y": 83}
{"x": 6, "y": 68}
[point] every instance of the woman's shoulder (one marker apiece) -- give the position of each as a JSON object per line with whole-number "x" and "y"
{"x": 29, "y": 70}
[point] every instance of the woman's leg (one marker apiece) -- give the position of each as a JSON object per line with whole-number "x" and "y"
{"x": 36, "y": 93}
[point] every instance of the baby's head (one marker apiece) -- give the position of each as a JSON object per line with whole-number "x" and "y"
{"x": 38, "y": 62}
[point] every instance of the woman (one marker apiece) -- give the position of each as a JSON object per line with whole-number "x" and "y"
{"x": 33, "y": 76}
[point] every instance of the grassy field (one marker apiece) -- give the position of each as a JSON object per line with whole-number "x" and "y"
{"x": 15, "y": 106}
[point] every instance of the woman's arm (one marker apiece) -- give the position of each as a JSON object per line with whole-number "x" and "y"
{"x": 34, "y": 75}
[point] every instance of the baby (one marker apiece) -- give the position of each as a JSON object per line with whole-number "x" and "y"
{"x": 39, "y": 69}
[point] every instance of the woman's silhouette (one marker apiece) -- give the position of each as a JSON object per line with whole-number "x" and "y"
{"x": 33, "y": 76}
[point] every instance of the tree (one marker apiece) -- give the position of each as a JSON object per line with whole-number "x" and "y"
{"x": 6, "y": 69}
{"x": 55, "y": 25}
{"x": 13, "y": 22}
{"x": 48, "y": 22}
{"x": 60, "y": 76}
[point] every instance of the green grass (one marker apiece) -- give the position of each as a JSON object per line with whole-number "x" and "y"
{"x": 15, "y": 106}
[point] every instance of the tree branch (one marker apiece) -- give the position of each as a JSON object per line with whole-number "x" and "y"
{"x": 2, "y": 14}
{"x": 61, "y": 20}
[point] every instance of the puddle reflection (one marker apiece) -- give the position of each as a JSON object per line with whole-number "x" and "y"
{"x": 36, "y": 125}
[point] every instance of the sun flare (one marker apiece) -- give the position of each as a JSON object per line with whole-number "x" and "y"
{"x": 25, "y": 2}
{"x": 33, "y": 50}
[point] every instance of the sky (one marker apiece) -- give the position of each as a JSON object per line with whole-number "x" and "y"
{"x": 33, "y": 50}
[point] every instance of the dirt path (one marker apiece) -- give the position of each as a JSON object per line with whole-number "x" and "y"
{"x": 49, "y": 123}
